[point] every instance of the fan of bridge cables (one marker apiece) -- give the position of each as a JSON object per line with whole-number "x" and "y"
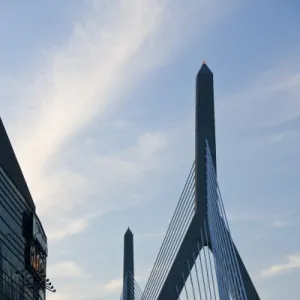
{"x": 214, "y": 271}
{"x": 202, "y": 281}
{"x": 216, "y": 274}
{"x": 228, "y": 273}
{"x": 175, "y": 234}
{"x": 131, "y": 289}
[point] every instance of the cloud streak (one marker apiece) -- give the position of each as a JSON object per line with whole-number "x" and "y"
{"x": 65, "y": 269}
{"x": 82, "y": 80}
{"x": 123, "y": 169}
{"x": 277, "y": 88}
{"x": 293, "y": 262}
{"x": 79, "y": 81}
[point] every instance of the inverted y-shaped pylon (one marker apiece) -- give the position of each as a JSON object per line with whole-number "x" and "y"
{"x": 198, "y": 223}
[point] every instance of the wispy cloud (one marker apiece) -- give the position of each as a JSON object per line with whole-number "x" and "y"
{"x": 74, "y": 226}
{"x": 65, "y": 269}
{"x": 79, "y": 81}
{"x": 108, "y": 48}
{"x": 71, "y": 181}
{"x": 58, "y": 296}
{"x": 280, "y": 224}
{"x": 113, "y": 286}
{"x": 276, "y": 88}
{"x": 281, "y": 220}
{"x": 293, "y": 262}
{"x": 283, "y": 223}
{"x": 123, "y": 169}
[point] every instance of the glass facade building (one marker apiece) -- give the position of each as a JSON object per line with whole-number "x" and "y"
{"x": 23, "y": 243}
{"x": 20, "y": 265}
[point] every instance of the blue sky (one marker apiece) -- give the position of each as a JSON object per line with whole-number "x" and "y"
{"x": 98, "y": 99}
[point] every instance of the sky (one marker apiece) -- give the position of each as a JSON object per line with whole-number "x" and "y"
{"x": 98, "y": 99}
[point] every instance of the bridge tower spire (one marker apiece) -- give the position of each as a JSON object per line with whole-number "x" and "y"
{"x": 193, "y": 240}
{"x": 128, "y": 266}
{"x": 204, "y": 130}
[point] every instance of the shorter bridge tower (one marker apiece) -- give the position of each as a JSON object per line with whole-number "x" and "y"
{"x": 128, "y": 267}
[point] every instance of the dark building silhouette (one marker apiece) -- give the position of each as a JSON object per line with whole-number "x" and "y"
{"x": 128, "y": 267}
{"x": 23, "y": 243}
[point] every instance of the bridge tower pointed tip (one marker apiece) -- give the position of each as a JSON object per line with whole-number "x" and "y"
{"x": 128, "y": 232}
{"x": 204, "y": 70}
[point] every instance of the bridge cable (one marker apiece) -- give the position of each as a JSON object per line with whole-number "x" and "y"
{"x": 191, "y": 277}
{"x": 177, "y": 293}
{"x": 220, "y": 280}
{"x": 161, "y": 253}
{"x": 205, "y": 260}
{"x": 237, "y": 281}
{"x": 221, "y": 238}
{"x": 134, "y": 290}
{"x": 223, "y": 249}
{"x": 237, "y": 284}
{"x": 136, "y": 286}
{"x": 202, "y": 271}
{"x": 187, "y": 295}
{"x": 169, "y": 257}
{"x": 175, "y": 245}
{"x": 215, "y": 239}
{"x": 218, "y": 254}
{"x": 224, "y": 234}
{"x": 211, "y": 269}
{"x": 231, "y": 244}
{"x": 171, "y": 225}
{"x": 196, "y": 269}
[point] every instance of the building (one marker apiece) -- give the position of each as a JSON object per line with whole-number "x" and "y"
{"x": 23, "y": 242}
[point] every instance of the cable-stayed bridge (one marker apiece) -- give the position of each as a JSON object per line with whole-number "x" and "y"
{"x": 198, "y": 259}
